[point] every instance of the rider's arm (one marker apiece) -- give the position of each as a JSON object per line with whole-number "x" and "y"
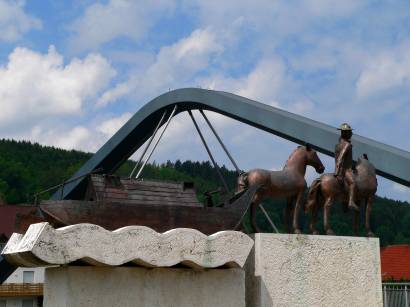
{"x": 342, "y": 157}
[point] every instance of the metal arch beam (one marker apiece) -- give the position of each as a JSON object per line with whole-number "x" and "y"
{"x": 390, "y": 162}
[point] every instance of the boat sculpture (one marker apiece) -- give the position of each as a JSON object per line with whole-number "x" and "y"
{"x": 113, "y": 202}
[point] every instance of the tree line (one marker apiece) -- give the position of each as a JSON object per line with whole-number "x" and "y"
{"x": 27, "y": 168}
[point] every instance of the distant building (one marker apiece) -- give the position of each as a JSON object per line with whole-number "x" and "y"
{"x": 23, "y": 288}
{"x": 395, "y": 262}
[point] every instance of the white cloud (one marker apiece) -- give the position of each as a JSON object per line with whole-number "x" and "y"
{"x": 384, "y": 71}
{"x": 102, "y": 23}
{"x": 35, "y": 85}
{"x": 174, "y": 66}
{"x": 333, "y": 8}
{"x": 14, "y": 22}
{"x": 111, "y": 126}
{"x": 88, "y": 136}
{"x": 401, "y": 188}
{"x": 262, "y": 83}
{"x": 77, "y": 137}
{"x": 302, "y": 106}
{"x": 272, "y": 21}
{"x": 115, "y": 93}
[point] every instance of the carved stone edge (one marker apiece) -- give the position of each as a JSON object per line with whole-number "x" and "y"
{"x": 43, "y": 245}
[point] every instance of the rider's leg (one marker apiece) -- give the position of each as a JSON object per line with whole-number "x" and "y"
{"x": 351, "y": 188}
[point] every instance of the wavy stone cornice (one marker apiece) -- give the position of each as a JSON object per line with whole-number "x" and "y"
{"x": 43, "y": 245}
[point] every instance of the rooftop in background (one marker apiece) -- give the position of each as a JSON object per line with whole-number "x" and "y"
{"x": 8, "y": 215}
{"x": 395, "y": 262}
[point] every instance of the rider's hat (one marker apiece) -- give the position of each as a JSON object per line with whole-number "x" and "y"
{"x": 345, "y": 127}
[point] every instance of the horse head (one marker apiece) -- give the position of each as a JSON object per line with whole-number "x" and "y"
{"x": 313, "y": 160}
{"x": 363, "y": 163}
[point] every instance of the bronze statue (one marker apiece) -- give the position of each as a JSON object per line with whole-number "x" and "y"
{"x": 289, "y": 182}
{"x": 344, "y": 163}
{"x": 327, "y": 189}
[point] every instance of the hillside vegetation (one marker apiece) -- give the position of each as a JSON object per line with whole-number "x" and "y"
{"x": 27, "y": 168}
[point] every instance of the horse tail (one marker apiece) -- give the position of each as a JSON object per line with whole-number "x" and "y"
{"x": 313, "y": 195}
{"x": 242, "y": 182}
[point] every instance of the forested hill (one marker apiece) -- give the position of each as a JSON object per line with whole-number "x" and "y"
{"x": 27, "y": 168}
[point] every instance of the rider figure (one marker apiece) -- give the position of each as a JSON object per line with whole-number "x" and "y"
{"x": 344, "y": 163}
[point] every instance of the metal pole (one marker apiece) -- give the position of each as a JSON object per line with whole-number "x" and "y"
{"x": 220, "y": 142}
{"x": 385, "y": 296}
{"x": 268, "y": 218}
{"x": 149, "y": 143}
{"x": 406, "y": 295}
{"x": 209, "y": 152}
{"x": 156, "y": 143}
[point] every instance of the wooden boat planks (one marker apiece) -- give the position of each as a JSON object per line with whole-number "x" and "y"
{"x": 114, "y": 189}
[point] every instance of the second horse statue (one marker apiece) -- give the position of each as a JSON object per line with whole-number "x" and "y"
{"x": 289, "y": 182}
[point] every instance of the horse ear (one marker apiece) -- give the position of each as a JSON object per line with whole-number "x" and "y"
{"x": 308, "y": 146}
{"x": 365, "y": 156}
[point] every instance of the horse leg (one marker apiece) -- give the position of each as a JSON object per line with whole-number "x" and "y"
{"x": 326, "y": 211}
{"x": 313, "y": 220}
{"x": 255, "y": 205}
{"x": 369, "y": 205}
{"x": 298, "y": 205}
{"x": 288, "y": 214}
{"x": 356, "y": 221}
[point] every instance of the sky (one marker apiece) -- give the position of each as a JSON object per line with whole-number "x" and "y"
{"x": 73, "y": 72}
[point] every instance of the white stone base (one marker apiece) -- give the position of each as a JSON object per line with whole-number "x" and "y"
{"x": 304, "y": 270}
{"x": 43, "y": 245}
{"x": 76, "y": 286}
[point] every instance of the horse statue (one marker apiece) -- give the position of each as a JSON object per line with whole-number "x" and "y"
{"x": 327, "y": 189}
{"x": 289, "y": 182}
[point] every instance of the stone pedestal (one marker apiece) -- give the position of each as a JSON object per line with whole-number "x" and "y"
{"x": 134, "y": 266}
{"x": 75, "y": 286}
{"x": 304, "y": 270}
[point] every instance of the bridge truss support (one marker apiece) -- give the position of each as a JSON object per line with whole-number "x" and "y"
{"x": 390, "y": 162}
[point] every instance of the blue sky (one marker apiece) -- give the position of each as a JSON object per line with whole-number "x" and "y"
{"x": 72, "y": 72}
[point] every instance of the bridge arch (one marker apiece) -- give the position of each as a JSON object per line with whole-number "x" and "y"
{"x": 390, "y": 162}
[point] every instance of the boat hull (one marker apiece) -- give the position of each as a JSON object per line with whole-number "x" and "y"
{"x": 161, "y": 218}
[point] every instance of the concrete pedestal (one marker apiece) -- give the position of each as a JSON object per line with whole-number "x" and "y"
{"x": 281, "y": 269}
{"x": 304, "y": 270}
{"x": 140, "y": 287}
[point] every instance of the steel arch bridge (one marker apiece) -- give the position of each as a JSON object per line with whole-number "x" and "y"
{"x": 390, "y": 162}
